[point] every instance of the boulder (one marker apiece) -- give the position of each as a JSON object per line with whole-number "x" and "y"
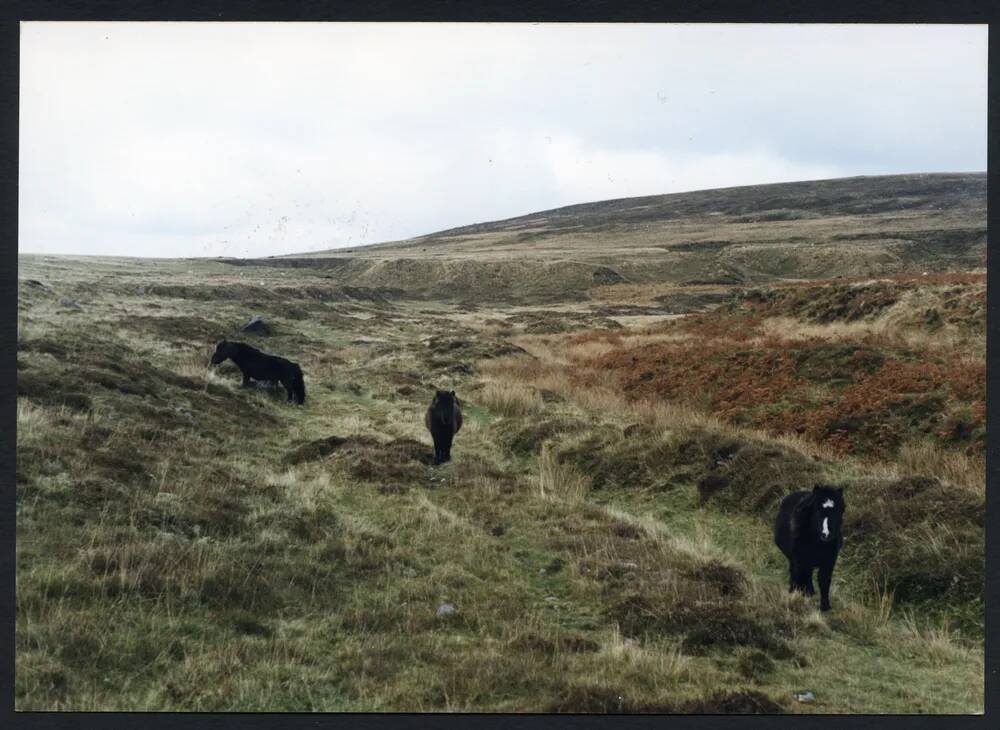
{"x": 257, "y": 325}
{"x": 36, "y": 284}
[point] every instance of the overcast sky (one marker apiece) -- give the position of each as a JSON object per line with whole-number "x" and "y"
{"x": 248, "y": 139}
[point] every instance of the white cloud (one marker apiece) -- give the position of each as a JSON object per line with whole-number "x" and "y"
{"x": 252, "y": 138}
{"x": 586, "y": 173}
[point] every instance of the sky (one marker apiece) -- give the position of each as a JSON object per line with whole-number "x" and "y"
{"x": 255, "y": 139}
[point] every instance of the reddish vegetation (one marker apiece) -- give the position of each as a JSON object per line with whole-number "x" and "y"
{"x": 866, "y": 396}
{"x": 613, "y": 337}
{"x": 959, "y": 303}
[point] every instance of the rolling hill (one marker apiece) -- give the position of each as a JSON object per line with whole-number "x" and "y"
{"x": 850, "y": 227}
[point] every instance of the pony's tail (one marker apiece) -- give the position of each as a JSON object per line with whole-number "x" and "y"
{"x": 299, "y": 386}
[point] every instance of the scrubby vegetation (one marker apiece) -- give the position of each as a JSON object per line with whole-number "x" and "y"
{"x": 878, "y": 396}
{"x": 641, "y": 381}
{"x": 600, "y": 543}
{"x": 866, "y": 369}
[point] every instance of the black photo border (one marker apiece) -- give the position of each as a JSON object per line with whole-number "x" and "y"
{"x": 12, "y": 12}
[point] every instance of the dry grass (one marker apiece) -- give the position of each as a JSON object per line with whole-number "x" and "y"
{"x": 31, "y": 422}
{"x": 166, "y": 561}
{"x": 894, "y": 327}
{"x": 608, "y": 399}
{"x": 938, "y": 644}
{"x": 483, "y": 477}
{"x": 647, "y": 293}
{"x": 510, "y": 399}
{"x": 881, "y": 605}
{"x": 558, "y": 481}
{"x": 669, "y": 664}
{"x": 967, "y": 471}
{"x": 437, "y": 516}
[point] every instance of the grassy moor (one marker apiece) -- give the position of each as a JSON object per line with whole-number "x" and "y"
{"x": 641, "y": 382}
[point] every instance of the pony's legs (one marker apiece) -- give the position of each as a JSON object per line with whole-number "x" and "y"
{"x": 825, "y": 577}
{"x": 800, "y": 578}
{"x": 804, "y": 579}
{"x": 810, "y": 588}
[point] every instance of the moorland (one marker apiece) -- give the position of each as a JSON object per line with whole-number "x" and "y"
{"x": 641, "y": 382}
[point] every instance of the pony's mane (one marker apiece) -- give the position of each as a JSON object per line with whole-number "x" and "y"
{"x": 802, "y": 509}
{"x": 806, "y": 503}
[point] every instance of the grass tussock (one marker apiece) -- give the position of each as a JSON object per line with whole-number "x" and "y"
{"x": 558, "y": 481}
{"x": 510, "y": 399}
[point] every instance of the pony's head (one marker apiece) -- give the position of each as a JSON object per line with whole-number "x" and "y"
{"x": 223, "y": 350}
{"x": 444, "y": 400}
{"x": 827, "y": 512}
{"x": 442, "y": 407}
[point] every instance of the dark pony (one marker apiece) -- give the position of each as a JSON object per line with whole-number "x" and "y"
{"x": 257, "y": 365}
{"x": 443, "y": 419}
{"x": 808, "y": 532}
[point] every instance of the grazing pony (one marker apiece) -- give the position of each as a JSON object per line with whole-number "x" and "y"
{"x": 257, "y": 365}
{"x": 443, "y": 419}
{"x": 808, "y": 532}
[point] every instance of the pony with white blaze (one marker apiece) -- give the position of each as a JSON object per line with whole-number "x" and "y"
{"x": 808, "y": 532}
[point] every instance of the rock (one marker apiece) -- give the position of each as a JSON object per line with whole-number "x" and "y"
{"x": 36, "y": 284}
{"x": 446, "y": 609}
{"x": 184, "y": 413}
{"x": 70, "y": 303}
{"x": 140, "y": 290}
{"x": 804, "y": 696}
{"x": 256, "y": 324}
{"x": 607, "y": 275}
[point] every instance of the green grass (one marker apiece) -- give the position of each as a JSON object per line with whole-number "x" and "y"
{"x": 170, "y": 556}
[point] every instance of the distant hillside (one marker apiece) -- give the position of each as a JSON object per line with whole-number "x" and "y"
{"x": 848, "y": 227}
